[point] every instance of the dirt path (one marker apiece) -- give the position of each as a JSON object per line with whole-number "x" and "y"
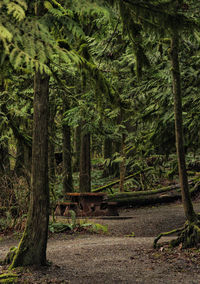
{"x": 116, "y": 258}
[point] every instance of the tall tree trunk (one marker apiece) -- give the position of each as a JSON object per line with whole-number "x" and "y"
{"x": 32, "y": 247}
{"x": 85, "y": 164}
{"x": 122, "y": 165}
{"x": 186, "y": 199}
{"x": 77, "y": 147}
{"x": 67, "y": 155}
{"x": 51, "y": 162}
{"x": 51, "y": 154}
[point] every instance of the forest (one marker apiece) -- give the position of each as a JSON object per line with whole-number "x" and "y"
{"x": 97, "y": 97}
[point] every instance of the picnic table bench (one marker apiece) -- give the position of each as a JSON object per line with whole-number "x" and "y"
{"x": 87, "y": 204}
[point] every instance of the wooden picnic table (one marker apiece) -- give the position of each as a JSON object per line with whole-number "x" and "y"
{"x": 87, "y": 204}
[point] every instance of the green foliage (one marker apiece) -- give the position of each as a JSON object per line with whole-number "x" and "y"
{"x": 6, "y": 223}
{"x": 132, "y": 235}
{"x": 76, "y": 225}
{"x": 98, "y": 228}
{"x": 14, "y": 194}
{"x": 9, "y": 277}
{"x": 10, "y": 255}
{"x": 58, "y": 227}
{"x": 29, "y": 43}
{"x": 88, "y": 49}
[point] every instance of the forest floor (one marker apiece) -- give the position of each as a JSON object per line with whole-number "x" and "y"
{"x": 123, "y": 255}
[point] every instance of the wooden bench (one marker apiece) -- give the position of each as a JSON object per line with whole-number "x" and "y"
{"x": 110, "y": 208}
{"x": 62, "y": 208}
{"x": 87, "y": 205}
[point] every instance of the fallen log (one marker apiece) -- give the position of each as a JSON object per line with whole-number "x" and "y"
{"x": 162, "y": 195}
{"x": 111, "y": 184}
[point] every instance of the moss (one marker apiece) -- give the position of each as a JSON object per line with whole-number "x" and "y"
{"x": 10, "y": 255}
{"x": 8, "y": 278}
{"x": 142, "y": 193}
{"x": 188, "y": 236}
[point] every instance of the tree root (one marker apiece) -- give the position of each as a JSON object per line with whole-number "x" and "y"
{"x": 188, "y": 235}
{"x": 10, "y": 255}
{"x": 166, "y": 234}
{"x": 9, "y": 278}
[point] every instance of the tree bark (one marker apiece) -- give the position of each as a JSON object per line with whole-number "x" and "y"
{"x": 186, "y": 199}
{"x": 51, "y": 154}
{"x": 77, "y": 147}
{"x": 67, "y": 155}
{"x": 32, "y": 247}
{"x": 85, "y": 164}
{"x": 122, "y": 165}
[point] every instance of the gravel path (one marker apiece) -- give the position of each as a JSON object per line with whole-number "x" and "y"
{"x": 117, "y": 258}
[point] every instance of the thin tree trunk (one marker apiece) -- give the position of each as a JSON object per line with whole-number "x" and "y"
{"x": 122, "y": 165}
{"x": 32, "y": 248}
{"x": 77, "y": 147}
{"x": 67, "y": 155}
{"x": 186, "y": 199}
{"x": 51, "y": 154}
{"x": 85, "y": 164}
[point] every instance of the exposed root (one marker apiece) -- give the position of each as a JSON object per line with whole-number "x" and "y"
{"x": 166, "y": 234}
{"x": 8, "y": 278}
{"x": 10, "y": 255}
{"x": 188, "y": 236}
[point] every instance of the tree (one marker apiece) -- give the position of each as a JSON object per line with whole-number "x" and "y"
{"x": 186, "y": 199}
{"x": 67, "y": 152}
{"x": 85, "y": 162}
{"x": 166, "y": 15}
{"x": 32, "y": 248}
{"x": 21, "y": 50}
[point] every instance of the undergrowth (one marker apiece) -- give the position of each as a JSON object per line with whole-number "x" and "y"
{"x": 73, "y": 225}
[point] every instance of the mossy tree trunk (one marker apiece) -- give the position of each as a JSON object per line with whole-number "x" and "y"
{"x": 122, "y": 165}
{"x": 77, "y": 147}
{"x": 32, "y": 247}
{"x": 67, "y": 154}
{"x": 52, "y": 130}
{"x": 189, "y": 235}
{"x": 186, "y": 199}
{"x": 85, "y": 163}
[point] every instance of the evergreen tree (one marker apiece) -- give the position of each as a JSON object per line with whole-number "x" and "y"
{"x": 166, "y": 17}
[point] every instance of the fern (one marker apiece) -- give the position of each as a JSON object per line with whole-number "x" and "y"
{"x": 5, "y": 35}
{"x": 16, "y": 10}
{"x": 29, "y": 43}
